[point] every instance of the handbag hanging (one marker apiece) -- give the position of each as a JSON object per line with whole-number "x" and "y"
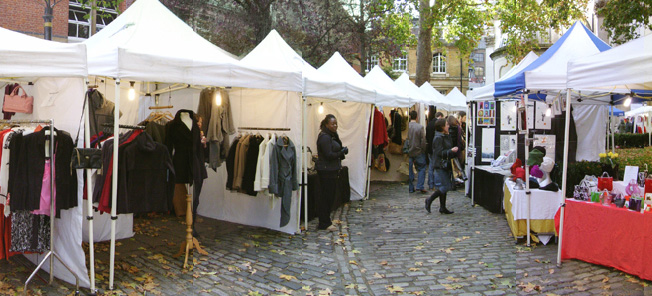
{"x": 605, "y": 182}
{"x": 18, "y": 103}
{"x": 85, "y": 158}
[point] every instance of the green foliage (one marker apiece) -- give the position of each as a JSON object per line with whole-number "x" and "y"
{"x": 99, "y": 7}
{"x": 630, "y": 140}
{"x": 622, "y": 18}
{"x": 576, "y": 172}
{"x": 523, "y": 22}
{"x": 389, "y": 70}
{"x": 641, "y": 158}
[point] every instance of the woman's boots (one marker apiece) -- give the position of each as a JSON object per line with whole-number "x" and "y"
{"x": 442, "y": 205}
{"x": 442, "y": 202}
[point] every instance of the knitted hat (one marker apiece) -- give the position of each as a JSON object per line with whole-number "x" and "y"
{"x": 540, "y": 148}
{"x": 547, "y": 164}
{"x": 536, "y": 172}
{"x": 519, "y": 173}
{"x": 535, "y": 157}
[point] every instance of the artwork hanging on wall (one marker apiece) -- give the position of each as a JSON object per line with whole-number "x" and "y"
{"x": 556, "y": 106}
{"x": 488, "y": 144}
{"x": 487, "y": 113}
{"x": 530, "y": 116}
{"x": 542, "y": 122}
{"x": 548, "y": 142}
{"x": 508, "y": 116}
{"x": 507, "y": 143}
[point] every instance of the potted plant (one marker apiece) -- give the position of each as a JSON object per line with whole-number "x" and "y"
{"x": 610, "y": 164}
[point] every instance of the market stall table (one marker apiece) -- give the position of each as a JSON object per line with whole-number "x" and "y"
{"x": 488, "y": 187}
{"x": 543, "y": 206}
{"x": 607, "y": 235}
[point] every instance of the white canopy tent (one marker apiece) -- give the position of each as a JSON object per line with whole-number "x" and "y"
{"x": 57, "y": 71}
{"x": 622, "y": 69}
{"x": 387, "y": 93}
{"x": 637, "y": 111}
{"x": 352, "y": 86}
{"x": 456, "y": 100}
{"x": 486, "y": 93}
{"x": 434, "y": 96}
{"x": 148, "y": 43}
{"x": 404, "y": 84}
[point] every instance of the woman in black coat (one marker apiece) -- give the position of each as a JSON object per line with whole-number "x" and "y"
{"x": 330, "y": 153}
{"x": 443, "y": 151}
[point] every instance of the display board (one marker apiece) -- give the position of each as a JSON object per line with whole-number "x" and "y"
{"x": 486, "y": 114}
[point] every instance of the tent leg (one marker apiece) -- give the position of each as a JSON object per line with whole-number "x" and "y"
{"x": 472, "y": 168}
{"x": 369, "y": 147}
{"x": 89, "y": 204}
{"x": 527, "y": 171}
{"x": 114, "y": 185}
{"x": 564, "y": 174}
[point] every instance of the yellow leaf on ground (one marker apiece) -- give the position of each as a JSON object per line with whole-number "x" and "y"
{"x": 394, "y": 289}
{"x": 413, "y": 269}
{"x": 499, "y": 275}
{"x": 350, "y": 286}
{"x": 551, "y": 271}
{"x": 378, "y": 275}
{"x": 306, "y": 288}
{"x": 353, "y": 262}
{"x": 418, "y": 263}
{"x": 287, "y": 277}
{"x": 606, "y": 279}
{"x": 384, "y": 262}
{"x": 461, "y": 259}
{"x": 330, "y": 272}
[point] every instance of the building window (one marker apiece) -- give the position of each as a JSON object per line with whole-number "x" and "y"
{"x": 371, "y": 62}
{"x": 79, "y": 27}
{"x": 400, "y": 63}
{"x": 438, "y": 63}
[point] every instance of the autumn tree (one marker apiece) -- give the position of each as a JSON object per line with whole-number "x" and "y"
{"x": 458, "y": 22}
{"x": 623, "y": 18}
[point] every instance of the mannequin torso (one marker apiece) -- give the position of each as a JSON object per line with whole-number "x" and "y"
{"x": 185, "y": 117}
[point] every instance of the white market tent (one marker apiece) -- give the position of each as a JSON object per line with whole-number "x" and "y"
{"x": 412, "y": 90}
{"x": 148, "y": 43}
{"x": 387, "y": 93}
{"x": 640, "y": 110}
{"x": 486, "y": 92}
{"x": 57, "y": 71}
{"x": 434, "y": 96}
{"x": 353, "y": 87}
{"x": 622, "y": 69}
{"x": 456, "y": 100}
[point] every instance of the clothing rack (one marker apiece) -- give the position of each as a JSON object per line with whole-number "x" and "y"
{"x": 265, "y": 128}
{"x": 161, "y": 107}
{"x": 51, "y": 253}
{"x": 109, "y": 127}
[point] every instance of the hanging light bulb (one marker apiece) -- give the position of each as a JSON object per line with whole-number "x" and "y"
{"x": 132, "y": 92}
{"x": 427, "y": 111}
{"x": 549, "y": 110}
{"x": 218, "y": 98}
{"x": 321, "y": 108}
{"x": 628, "y": 101}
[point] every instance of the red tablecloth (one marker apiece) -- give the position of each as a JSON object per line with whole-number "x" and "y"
{"x": 608, "y": 236}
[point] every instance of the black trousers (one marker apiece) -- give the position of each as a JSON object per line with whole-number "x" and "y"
{"x": 328, "y": 186}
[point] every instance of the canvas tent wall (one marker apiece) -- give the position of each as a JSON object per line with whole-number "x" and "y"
{"x": 57, "y": 71}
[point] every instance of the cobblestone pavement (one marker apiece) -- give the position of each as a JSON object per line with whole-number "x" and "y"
{"x": 387, "y": 245}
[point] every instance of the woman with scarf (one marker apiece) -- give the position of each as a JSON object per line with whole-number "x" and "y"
{"x": 443, "y": 151}
{"x": 330, "y": 153}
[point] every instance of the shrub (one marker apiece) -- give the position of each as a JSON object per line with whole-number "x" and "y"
{"x": 629, "y": 140}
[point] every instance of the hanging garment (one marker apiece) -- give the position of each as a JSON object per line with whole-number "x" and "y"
{"x": 240, "y": 161}
{"x": 206, "y": 102}
{"x": 230, "y": 163}
{"x": 8, "y": 89}
{"x": 259, "y": 164}
{"x": 29, "y": 233}
{"x": 146, "y": 176}
{"x": 251, "y": 160}
{"x": 380, "y": 129}
{"x": 283, "y": 175}
{"x": 101, "y": 111}
{"x": 27, "y": 165}
{"x": 156, "y": 130}
{"x": 264, "y": 176}
{"x": 46, "y": 193}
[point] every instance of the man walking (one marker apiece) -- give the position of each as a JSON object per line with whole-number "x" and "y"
{"x": 417, "y": 153}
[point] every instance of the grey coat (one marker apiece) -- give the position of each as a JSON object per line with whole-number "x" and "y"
{"x": 283, "y": 175}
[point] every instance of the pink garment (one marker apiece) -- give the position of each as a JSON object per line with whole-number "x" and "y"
{"x": 44, "y": 207}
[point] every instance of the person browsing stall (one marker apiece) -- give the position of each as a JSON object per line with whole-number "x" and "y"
{"x": 330, "y": 154}
{"x": 443, "y": 152}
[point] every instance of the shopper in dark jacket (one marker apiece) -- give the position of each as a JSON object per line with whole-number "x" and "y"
{"x": 430, "y": 135}
{"x": 330, "y": 153}
{"x": 443, "y": 151}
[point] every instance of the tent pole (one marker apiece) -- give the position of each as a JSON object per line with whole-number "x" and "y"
{"x": 466, "y": 159}
{"x": 473, "y": 122}
{"x": 564, "y": 175}
{"x": 369, "y": 147}
{"x": 304, "y": 167}
{"x": 613, "y": 143}
{"x": 114, "y": 184}
{"x": 527, "y": 171}
{"x": 89, "y": 194}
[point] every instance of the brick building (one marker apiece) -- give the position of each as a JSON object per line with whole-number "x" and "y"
{"x": 68, "y": 24}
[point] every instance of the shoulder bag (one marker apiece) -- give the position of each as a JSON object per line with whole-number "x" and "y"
{"x": 85, "y": 158}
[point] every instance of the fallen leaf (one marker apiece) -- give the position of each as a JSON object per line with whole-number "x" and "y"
{"x": 330, "y": 272}
{"x": 325, "y": 292}
{"x": 606, "y": 279}
{"x": 499, "y": 275}
{"x": 418, "y": 263}
{"x": 306, "y": 288}
{"x": 353, "y": 262}
{"x": 529, "y": 287}
{"x": 551, "y": 271}
{"x": 394, "y": 289}
{"x": 417, "y": 293}
{"x": 486, "y": 245}
{"x": 413, "y": 269}
{"x": 287, "y": 277}
{"x": 418, "y": 247}
{"x": 355, "y": 252}
{"x": 525, "y": 274}
{"x": 384, "y": 262}
{"x": 378, "y": 275}
{"x": 507, "y": 283}
{"x": 606, "y": 287}
{"x": 461, "y": 259}
{"x": 452, "y": 279}
{"x": 434, "y": 261}
{"x": 284, "y": 290}
{"x": 350, "y": 286}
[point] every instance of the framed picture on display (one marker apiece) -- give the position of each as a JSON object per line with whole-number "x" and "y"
{"x": 488, "y": 144}
{"x": 542, "y": 122}
{"x": 508, "y": 116}
{"x": 487, "y": 112}
{"x": 507, "y": 143}
{"x": 548, "y": 142}
{"x": 556, "y": 107}
{"x": 530, "y": 116}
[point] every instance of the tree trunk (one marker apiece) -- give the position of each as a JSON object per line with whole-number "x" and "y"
{"x": 363, "y": 41}
{"x": 424, "y": 43}
{"x": 264, "y": 21}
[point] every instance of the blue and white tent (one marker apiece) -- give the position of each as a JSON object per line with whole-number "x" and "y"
{"x": 486, "y": 92}
{"x": 549, "y": 71}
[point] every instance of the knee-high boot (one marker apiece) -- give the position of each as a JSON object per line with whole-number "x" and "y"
{"x": 442, "y": 205}
{"x": 432, "y": 198}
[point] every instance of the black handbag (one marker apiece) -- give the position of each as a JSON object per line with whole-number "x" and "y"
{"x": 85, "y": 158}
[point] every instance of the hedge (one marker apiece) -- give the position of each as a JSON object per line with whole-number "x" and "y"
{"x": 629, "y": 140}
{"x": 576, "y": 172}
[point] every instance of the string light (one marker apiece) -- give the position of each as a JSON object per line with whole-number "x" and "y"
{"x": 549, "y": 110}
{"x": 628, "y": 101}
{"x": 218, "y": 98}
{"x": 321, "y": 108}
{"x": 132, "y": 92}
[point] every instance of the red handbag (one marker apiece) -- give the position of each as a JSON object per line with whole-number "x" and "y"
{"x": 648, "y": 185}
{"x": 17, "y": 103}
{"x": 605, "y": 182}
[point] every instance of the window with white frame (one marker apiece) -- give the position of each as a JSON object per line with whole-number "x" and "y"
{"x": 400, "y": 63}
{"x": 371, "y": 62}
{"x": 438, "y": 63}
{"x": 79, "y": 26}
